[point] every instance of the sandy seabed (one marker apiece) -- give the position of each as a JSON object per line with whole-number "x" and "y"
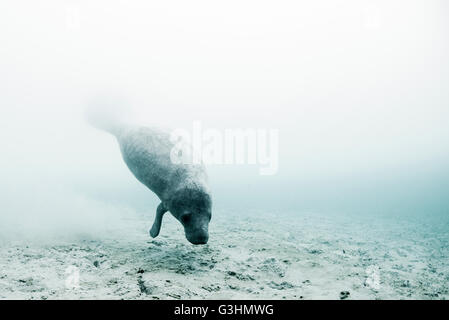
{"x": 269, "y": 256}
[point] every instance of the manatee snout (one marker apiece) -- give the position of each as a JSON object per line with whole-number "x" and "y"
{"x": 197, "y": 236}
{"x": 196, "y": 225}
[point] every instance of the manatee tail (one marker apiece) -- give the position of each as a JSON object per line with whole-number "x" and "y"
{"x": 105, "y": 115}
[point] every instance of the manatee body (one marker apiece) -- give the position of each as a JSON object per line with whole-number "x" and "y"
{"x": 182, "y": 188}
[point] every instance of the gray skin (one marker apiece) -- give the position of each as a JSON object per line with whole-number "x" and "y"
{"x": 182, "y": 188}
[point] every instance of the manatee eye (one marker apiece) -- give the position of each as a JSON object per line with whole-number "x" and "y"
{"x": 186, "y": 218}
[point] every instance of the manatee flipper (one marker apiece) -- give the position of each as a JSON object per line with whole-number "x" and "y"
{"x": 154, "y": 232}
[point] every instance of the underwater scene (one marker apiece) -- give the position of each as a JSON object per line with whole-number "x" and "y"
{"x": 237, "y": 150}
